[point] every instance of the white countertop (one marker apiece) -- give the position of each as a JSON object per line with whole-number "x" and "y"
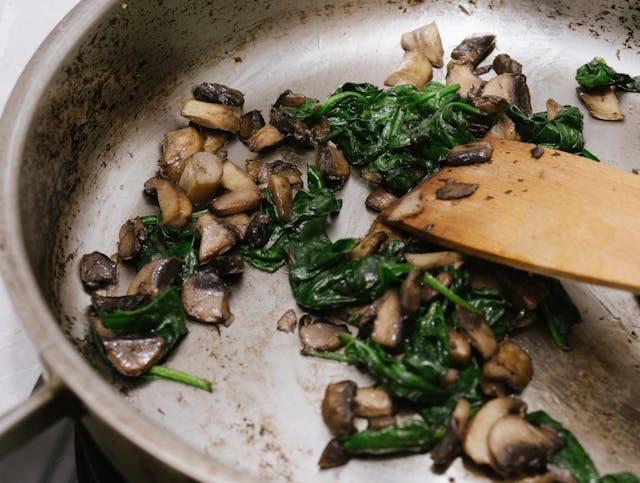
{"x": 24, "y": 24}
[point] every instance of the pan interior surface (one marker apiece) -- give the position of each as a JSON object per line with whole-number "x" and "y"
{"x": 121, "y": 91}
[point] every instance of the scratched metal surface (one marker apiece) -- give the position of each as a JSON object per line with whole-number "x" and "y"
{"x": 100, "y": 134}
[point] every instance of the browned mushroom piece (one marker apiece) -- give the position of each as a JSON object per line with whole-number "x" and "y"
{"x": 238, "y": 223}
{"x": 450, "y": 377}
{"x": 409, "y": 205}
{"x": 259, "y": 230}
{"x": 178, "y": 146}
{"x": 288, "y": 125}
{"x": 218, "y": 94}
{"x": 265, "y": 137}
{"x": 213, "y": 140}
{"x": 372, "y": 402}
{"x": 131, "y": 239}
{"x": 215, "y": 237}
{"x": 463, "y": 75}
{"x": 261, "y": 170}
{"x": 123, "y": 302}
{"x": 333, "y": 455}
{"x": 250, "y": 123}
{"x": 388, "y": 324}
{"x": 370, "y": 177}
{"x": 522, "y": 290}
{"x": 504, "y": 64}
{"x": 489, "y": 104}
{"x": 432, "y": 260}
{"x": 426, "y": 40}
{"x": 332, "y": 165}
{"x": 212, "y": 116}
{"x": 453, "y": 190}
{"x": 380, "y": 422}
{"x": 411, "y": 291}
{"x": 97, "y": 270}
{"x": 201, "y": 177}
{"x": 338, "y": 407}
{"x": 287, "y": 323}
{"x": 380, "y": 199}
{"x": 429, "y": 293}
{"x": 450, "y": 446}
{"x": 230, "y": 264}
{"x": 234, "y": 178}
{"x": 471, "y": 153}
{"x": 175, "y": 206}
{"x": 290, "y": 99}
{"x": 476, "y": 439}
{"x": 234, "y": 202}
{"x": 205, "y": 298}
{"x": 511, "y": 365}
{"x": 517, "y": 447}
{"x": 493, "y": 388}
{"x": 320, "y": 334}
{"x": 133, "y": 357}
{"x": 282, "y": 196}
{"x": 414, "y": 69}
{"x": 513, "y": 88}
{"x": 155, "y": 277}
{"x": 553, "y": 108}
{"x": 370, "y": 244}
{"x": 601, "y": 102}
{"x": 474, "y": 49}
{"x": 459, "y": 349}
{"x": 477, "y": 332}
{"x": 504, "y": 128}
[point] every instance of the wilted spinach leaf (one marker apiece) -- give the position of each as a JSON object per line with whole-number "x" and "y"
{"x": 393, "y": 132}
{"x": 572, "y": 455}
{"x": 559, "y": 313}
{"x": 597, "y": 73}
{"x": 162, "y": 316}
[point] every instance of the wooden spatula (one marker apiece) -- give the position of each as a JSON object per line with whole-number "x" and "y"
{"x": 559, "y": 215}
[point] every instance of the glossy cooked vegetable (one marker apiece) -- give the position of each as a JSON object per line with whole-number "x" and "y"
{"x": 597, "y": 74}
{"x": 394, "y": 133}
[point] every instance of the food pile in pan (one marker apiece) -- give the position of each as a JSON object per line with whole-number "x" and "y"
{"x": 433, "y": 328}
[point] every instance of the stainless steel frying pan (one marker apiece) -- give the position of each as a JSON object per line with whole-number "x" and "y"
{"x": 82, "y": 132}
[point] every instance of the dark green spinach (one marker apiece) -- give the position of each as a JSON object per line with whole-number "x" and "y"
{"x": 573, "y": 457}
{"x": 598, "y": 74}
{"x": 563, "y": 132}
{"x": 163, "y": 316}
{"x": 559, "y": 313}
{"x": 410, "y": 436}
{"x": 395, "y": 132}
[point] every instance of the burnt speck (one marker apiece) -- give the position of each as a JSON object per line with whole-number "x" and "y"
{"x": 453, "y": 190}
{"x": 488, "y": 197}
{"x": 237, "y": 59}
{"x": 537, "y": 151}
{"x": 556, "y": 155}
{"x": 635, "y": 171}
{"x": 508, "y": 192}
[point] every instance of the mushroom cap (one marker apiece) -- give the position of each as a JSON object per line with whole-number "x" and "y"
{"x": 475, "y": 442}
{"x": 338, "y": 407}
{"x": 205, "y": 298}
{"x": 96, "y": 270}
{"x": 511, "y": 364}
{"x": 155, "y": 277}
{"x": 133, "y": 357}
{"x": 518, "y": 447}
